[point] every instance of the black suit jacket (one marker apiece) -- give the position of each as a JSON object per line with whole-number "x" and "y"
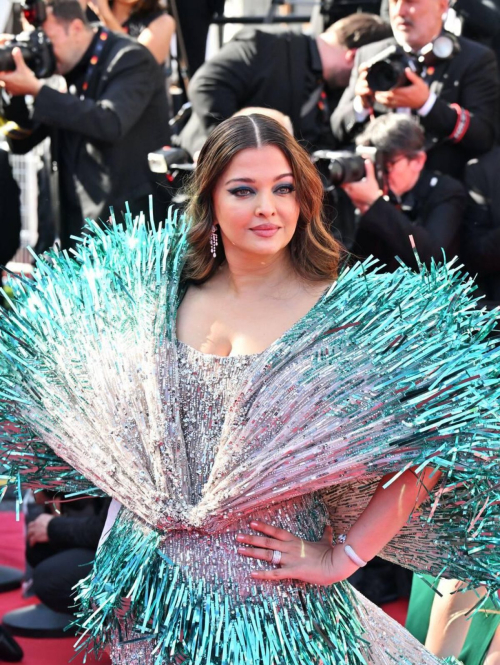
{"x": 257, "y": 68}
{"x": 432, "y": 213}
{"x": 469, "y": 79}
{"x": 481, "y": 238}
{"x": 81, "y": 531}
{"x": 10, "y": 210}
{"x": 103, "y": 140}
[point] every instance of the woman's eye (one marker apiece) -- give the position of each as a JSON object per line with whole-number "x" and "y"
{"x": 285, "y": 189}
{"x": 240, "y": 192}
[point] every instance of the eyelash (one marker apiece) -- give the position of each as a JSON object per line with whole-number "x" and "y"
{"x": 242, "y": 192}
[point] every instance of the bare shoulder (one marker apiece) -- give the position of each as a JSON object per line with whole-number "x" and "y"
{"x": 164, "y": 23}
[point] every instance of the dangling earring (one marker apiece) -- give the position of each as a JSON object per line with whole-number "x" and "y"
{"x": 214, "y": 241}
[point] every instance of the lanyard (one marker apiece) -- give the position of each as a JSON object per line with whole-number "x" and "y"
{"x": 94, "y": 59}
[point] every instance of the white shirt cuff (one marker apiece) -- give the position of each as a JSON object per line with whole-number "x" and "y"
{"x": 427, "y": 107}
{"x": 360, "y": 113}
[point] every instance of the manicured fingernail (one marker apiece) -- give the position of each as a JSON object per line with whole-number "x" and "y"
{"x": 240, "y": 537}
{"x": 254, "y": 524}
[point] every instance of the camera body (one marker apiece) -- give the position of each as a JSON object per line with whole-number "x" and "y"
{"x": 386, "y": 70}
{"x": 35, "y": 46}
{"x": 340, "y": 167}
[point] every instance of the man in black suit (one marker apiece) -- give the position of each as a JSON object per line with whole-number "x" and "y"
{"x": 114, "y": 113}
{"x": 481, "y": 238}
{"x": 293, "y": 73}
{"x": 456, "y": 100}
{"x": 412, "y": 201}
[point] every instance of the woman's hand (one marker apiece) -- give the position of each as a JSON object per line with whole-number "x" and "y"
{"x": 300, "y": 559}
{"x": 100, "y": 7}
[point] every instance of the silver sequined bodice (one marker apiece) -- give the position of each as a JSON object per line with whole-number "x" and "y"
{"x": 207, "y": 386}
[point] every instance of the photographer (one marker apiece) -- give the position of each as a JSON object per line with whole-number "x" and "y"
{"x": 427, "y": 206}
{"x": 61, "y": 547}
{"x": 295, "y": 74}
{"x": 479, "y": 19}
{"x": 455, "y": 97}
{"x": 114, "y": 113}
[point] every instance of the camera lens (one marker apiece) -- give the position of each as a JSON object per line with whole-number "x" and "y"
{"x": 385, "y": 75}
{"x": 346, "y": 169}
{"x": 6, "y": 60}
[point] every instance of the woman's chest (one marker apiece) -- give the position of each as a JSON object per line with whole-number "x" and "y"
{"x": 207, "y": 387}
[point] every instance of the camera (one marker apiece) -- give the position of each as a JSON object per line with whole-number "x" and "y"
{"x": 35, "y": 46}
{"x": 340, "y": 167}
{"x": 386, "y": 70}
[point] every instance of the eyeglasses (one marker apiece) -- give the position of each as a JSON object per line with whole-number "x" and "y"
{"x": 391, "y": 163}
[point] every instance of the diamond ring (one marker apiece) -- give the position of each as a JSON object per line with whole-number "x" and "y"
{"x": 276, "y": 557}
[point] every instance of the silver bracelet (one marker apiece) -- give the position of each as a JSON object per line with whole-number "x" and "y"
{"x": 354, "y": 557}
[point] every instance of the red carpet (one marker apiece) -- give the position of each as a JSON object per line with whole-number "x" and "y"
{"x": 60, "y": 651}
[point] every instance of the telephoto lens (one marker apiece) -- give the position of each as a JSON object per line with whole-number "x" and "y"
{"x": 342, "y": 166}
{"x": 6, "y": 59}
{"x": 36, "y": 50}
{"x": 386, "y": 70}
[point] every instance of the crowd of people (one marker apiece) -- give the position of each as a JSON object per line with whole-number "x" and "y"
{"x": 117, "y": 112}
{"x": 425, "y": 148}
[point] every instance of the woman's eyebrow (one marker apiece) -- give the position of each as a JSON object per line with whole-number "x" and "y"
{"x": 283, "y": 175}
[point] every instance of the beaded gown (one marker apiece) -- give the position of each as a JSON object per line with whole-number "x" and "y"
{"x": 386, "y": 372}
{"x": 207, "y": 387}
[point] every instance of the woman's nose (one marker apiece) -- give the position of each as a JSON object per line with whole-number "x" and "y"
{"x": 265, "y": 205}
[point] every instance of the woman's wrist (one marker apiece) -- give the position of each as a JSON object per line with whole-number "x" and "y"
{"x": 105, "y": 14}
{"x": 342, "y": 565}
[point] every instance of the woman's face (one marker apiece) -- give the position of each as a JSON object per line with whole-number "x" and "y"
{"x": 255, "y": 202}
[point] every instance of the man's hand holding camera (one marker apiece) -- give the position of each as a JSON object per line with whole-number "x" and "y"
{"x": 412, "y": 96}
{"x": 362, "y": 90}
{"x": 22, "y": 81}
{"x": 364, "y": 193}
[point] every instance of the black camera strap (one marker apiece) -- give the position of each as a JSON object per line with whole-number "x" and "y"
{"x": 94, "y": 60}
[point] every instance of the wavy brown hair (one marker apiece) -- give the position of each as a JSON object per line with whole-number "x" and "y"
{"x": 314, "y": 253}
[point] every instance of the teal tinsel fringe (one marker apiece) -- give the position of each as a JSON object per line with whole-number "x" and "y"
{"x": 206, "y": 622}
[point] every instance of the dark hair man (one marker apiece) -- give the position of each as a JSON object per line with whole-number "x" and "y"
{"x": 114, "y": 113}
{"x": 293, "y": 73}
{"x": 416, "y": 202}
{"x": 456, "y": 99}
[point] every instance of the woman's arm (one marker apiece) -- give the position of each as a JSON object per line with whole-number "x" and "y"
{"x": 321, "y": 562}
{"x": 102, "y": 9}
{"x": 157, "y": 37}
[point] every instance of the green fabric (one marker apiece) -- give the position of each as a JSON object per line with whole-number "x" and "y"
{"x": 481, "y": 631}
